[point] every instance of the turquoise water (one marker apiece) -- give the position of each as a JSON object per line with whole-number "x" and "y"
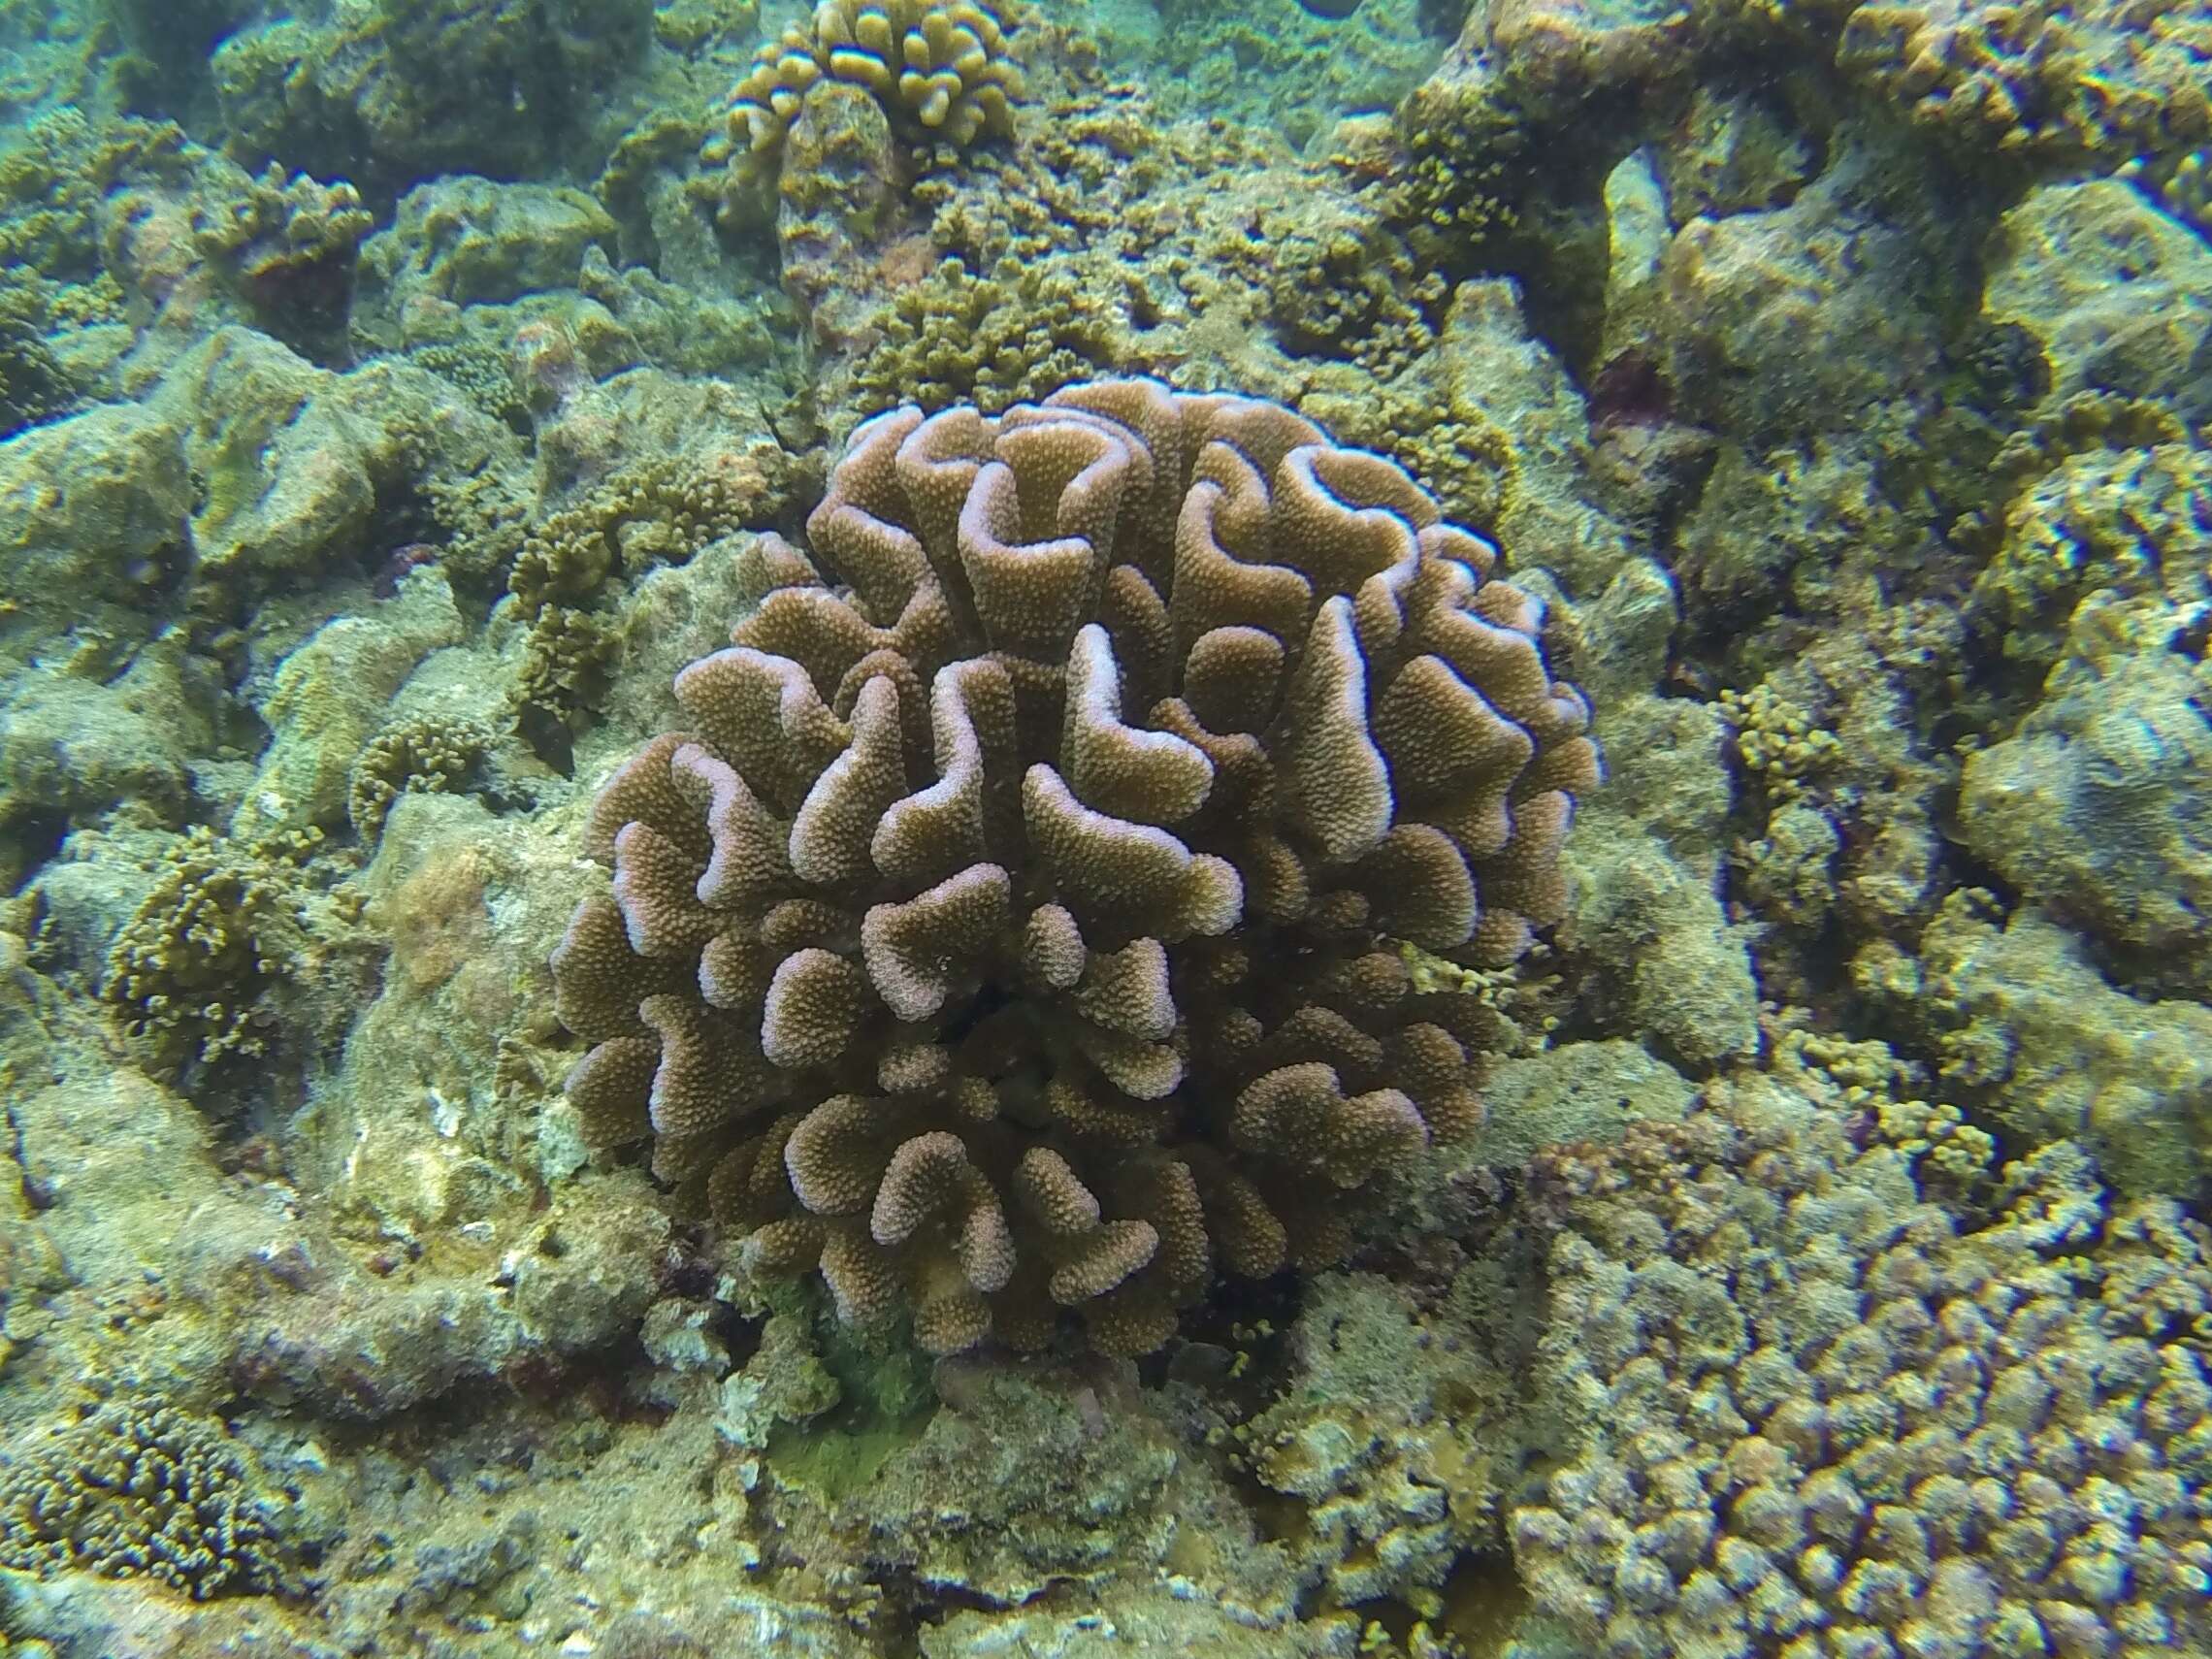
{"x": 1105, "y": 827}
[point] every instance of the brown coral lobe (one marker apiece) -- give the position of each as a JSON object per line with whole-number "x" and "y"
{"x": 1012, "y": 932}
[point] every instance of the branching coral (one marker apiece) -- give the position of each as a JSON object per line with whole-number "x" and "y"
{"x": 1450, "y": 188}
{"x": 2184, "y": 188}
{"x": 1345, "y": 295}
{"x": 990, "y": 340}
{"x": 1778, "y": 741}
{"x": 944, "y": 71}
{"x": 142, "y": 1490}
{"x": 1012, "y": 932}
{"x": 286, "y": 246}
{"x": 227, "y": 925}
{"x": 426, "y": 753}
{"x": 189, "y": 967}
{"x": 656, "y": 512}
{"x": 1818, "y": 1422}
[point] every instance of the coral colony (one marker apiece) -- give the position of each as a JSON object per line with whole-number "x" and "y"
{"x": 916, "y": 830}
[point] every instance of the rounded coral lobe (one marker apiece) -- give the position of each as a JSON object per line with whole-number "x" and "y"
{"x": 1016, "y": 931}
{"x": 943, "y": 70}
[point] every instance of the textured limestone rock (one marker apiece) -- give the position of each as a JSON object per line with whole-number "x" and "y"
{"x": 2114, "y": 291}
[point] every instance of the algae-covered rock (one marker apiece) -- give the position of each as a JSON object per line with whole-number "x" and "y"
{"x": 438, "y": 1115}
{"x": 1397, "y": 1433}
{"x": 1038, "y": 1478}
{"x": 1581, "y": 1092}
{"x": 76, "y": 742}
{"x": 2117, "y": 294}
{"x": 1774, "y": 528}
{"x": 1132, "y": 1620}
{"x": 34, "y": 383}
{"x": 284, "y": 248}
{"x": 365, "y": 1339}
{"x": 2100, "y": 807}
{"x": 1299, "y": 67}
{"x": 784, "y": 1382}
{"x": 470, "y": 241}
{"x": 93, "y": 514}
{"x": 328, "y": 699}
{"x": 140, "y": 1216}
{"x": 837, "y": 204}
{"x": 2111, "y": 520}
{"x": 2027, "y": 1024}
{"x": 2084, "y": 84}
{"x": 1643, "y": 868}
{"x": 1489, "y": 361}
{"x": 387, "y": 92}
{"x": 297, "y": 462}
{"x": 1793, "y": 319}
{"x": 246, "y": 469}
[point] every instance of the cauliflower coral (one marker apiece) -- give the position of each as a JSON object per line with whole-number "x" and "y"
{"x": 1014, "y": 932}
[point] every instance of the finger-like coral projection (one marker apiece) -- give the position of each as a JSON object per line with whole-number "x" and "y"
{"x": 943, "y": 70}
{"x": 1014, "y": 931}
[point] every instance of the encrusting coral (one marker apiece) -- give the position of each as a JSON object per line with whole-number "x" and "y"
{"x": 1819, "y": 1421}
{"x": 142, "y": 1490}
{"x": 943, "y": 70}
{"x": 1015, "y": 930}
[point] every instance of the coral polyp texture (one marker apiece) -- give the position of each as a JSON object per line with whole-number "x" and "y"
{"x": 943, "y": 72}
{"x": 1819, "y": 1421}
{"x": 1014, "y": 932}
{"x": 142, "y": 1490}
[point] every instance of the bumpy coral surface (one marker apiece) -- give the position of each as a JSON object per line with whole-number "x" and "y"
{"x": 1013, "y": 930}
{"x": 1820, "y": 1423}
{"x": 943, "y": 69}
{"x": 2093, "y": 79}
{"x": 188, "y": 970}
{"x": 142, "y": 1490}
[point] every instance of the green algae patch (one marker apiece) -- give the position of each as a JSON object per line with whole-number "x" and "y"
{"x": 839, "y": 1457}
